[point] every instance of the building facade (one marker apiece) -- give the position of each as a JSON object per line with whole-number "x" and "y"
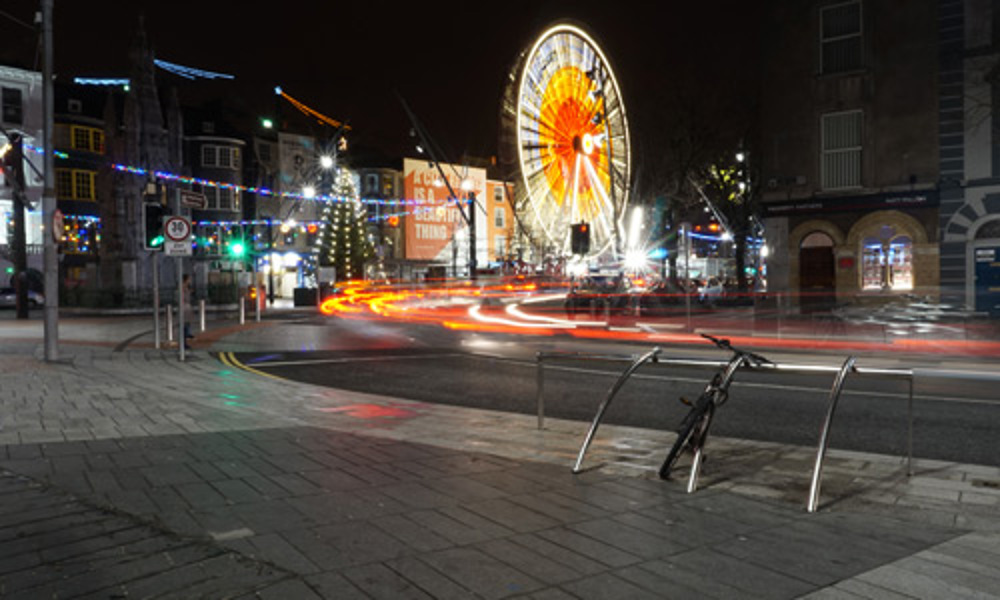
{"x": 21, "y": 112}
{"x": 969, "y": 84}
{"x": 849, "y": 150}
{"x": 500, "y": 223}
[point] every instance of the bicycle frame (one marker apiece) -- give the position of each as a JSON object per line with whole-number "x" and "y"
{"x": 719, "y": 386}
{"x": 694, "y": 428}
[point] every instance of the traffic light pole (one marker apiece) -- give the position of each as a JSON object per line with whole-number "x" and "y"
{"x": 156, "y": 300}
{"x": 50, "y": 256}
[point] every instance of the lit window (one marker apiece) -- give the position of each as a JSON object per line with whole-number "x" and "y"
{"x": 81, "y": 138}
{"x": 841, "y": 145}
{"x": 88, "y": 139}
{"x": 64, "y": 183}
{"x": 840, "y": 38}
{"x": 75, "y": 184}
{"x": 84, "y": 183}
{"x": 887, "y": 264}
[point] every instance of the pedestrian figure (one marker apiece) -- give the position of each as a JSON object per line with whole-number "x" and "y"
{"x": 186, "y": 292}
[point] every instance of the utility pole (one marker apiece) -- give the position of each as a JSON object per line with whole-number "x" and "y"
{"x": 50, "y": 257}
{"x": 472, "y": 236}
{"x": 470, "y": 219}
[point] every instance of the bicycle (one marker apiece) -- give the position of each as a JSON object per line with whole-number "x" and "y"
{"x": 693, "y": 429}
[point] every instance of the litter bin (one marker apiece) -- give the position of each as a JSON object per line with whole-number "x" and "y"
{"x": 304, "y": 296}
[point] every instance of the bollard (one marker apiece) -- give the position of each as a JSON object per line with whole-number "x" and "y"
{"x": 256, "y": 301}
{"x": 243, "y": 311}
{"x": 540, "y": 389}
{"x": 201, "y": 309}
{"x": 170, "y": 323}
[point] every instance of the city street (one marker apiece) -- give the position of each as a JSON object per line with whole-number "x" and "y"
{"x": 129, "y": 473}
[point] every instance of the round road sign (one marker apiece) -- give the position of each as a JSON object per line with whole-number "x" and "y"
{"x": 177, "y": 229}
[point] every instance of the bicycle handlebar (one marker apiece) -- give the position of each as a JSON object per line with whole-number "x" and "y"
{"x": 724, "y": 344}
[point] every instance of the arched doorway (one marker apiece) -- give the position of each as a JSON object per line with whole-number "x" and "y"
{"x": 986, "y": 253}
{"x": 817, "y": 273}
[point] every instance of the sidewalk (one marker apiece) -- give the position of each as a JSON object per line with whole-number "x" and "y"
{"x": 127, "y": 473}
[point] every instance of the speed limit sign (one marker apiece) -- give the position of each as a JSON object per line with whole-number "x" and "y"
{"x": 177, "y": 236}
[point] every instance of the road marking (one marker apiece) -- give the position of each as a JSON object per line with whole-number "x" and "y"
{"x": 121, "y": 347}
{"x": 747, "y": 384}
{"x": 321, "y": 361}
{"x": 229, "y": 359}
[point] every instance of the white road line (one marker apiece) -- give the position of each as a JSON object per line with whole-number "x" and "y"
{"x": 766, "y": 386}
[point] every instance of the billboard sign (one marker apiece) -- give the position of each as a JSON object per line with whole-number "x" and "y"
{"x": 432, "y": 218}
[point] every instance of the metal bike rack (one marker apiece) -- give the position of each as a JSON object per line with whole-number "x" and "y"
{"x": 841, "y": 373}
{"x": 838, "y": 386}
{"x": 651, "y": 355}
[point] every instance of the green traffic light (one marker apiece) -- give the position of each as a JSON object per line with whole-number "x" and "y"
{"x": 237, "y": 249}
{"x": 156, "y": 242}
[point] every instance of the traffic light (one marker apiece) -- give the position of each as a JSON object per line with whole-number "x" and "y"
{"x": 580, "y": 238}
{"x": 237, "y": 249}
{"x": 152, "y": 219}
{"x": 13, "y": 162}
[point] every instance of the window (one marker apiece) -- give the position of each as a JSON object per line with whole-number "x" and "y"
{"x": 265, "y": 152}
{"x": 371, "y": 184}
{"x": 500, "y": 246}
{"x": 840, "y": 38}
{"x": 222, "y": 198}
{"x": 887, "y": 261}
{"x": 83, "y": 183}
{"x": 220, "y": 156}
{"x": 499, "y": 217}
{"x": 88, "y": 139}
{"x": 64, "y": 183}
{"x": 498, "y": 194}
{"x": 841, "y": 156}
{"x": 75, "y": 184}
{"x": 13, "y": 109}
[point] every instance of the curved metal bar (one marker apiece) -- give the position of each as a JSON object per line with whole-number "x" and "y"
{"x": 838, "y": 386}
{"x": 607, "y": 402}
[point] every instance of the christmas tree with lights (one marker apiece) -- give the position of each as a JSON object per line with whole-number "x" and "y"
{"x": 344, "y": 241}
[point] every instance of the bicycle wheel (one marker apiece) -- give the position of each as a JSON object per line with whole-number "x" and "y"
{"x": 696, "y": 422}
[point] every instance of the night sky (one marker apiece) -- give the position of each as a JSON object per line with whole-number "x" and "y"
{"x": 347, "y": 60}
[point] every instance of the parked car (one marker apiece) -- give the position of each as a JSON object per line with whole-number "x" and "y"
{"x": 711, "y": 292}
{"x": 8, "y": 298}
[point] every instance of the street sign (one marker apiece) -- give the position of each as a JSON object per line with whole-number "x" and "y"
{"x": 177, "y": 236}
{"x": 191, "y": 199}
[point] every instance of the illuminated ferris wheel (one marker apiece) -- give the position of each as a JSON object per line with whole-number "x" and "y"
{"x": 572, "y": 141}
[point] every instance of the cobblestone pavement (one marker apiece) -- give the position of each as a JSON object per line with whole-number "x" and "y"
{"x": 129, "y": 474}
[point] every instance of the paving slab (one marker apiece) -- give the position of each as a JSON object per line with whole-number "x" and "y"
{"x": 127, "y": 472}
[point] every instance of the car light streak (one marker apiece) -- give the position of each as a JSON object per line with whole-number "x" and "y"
{"x": 528, "y": 310}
